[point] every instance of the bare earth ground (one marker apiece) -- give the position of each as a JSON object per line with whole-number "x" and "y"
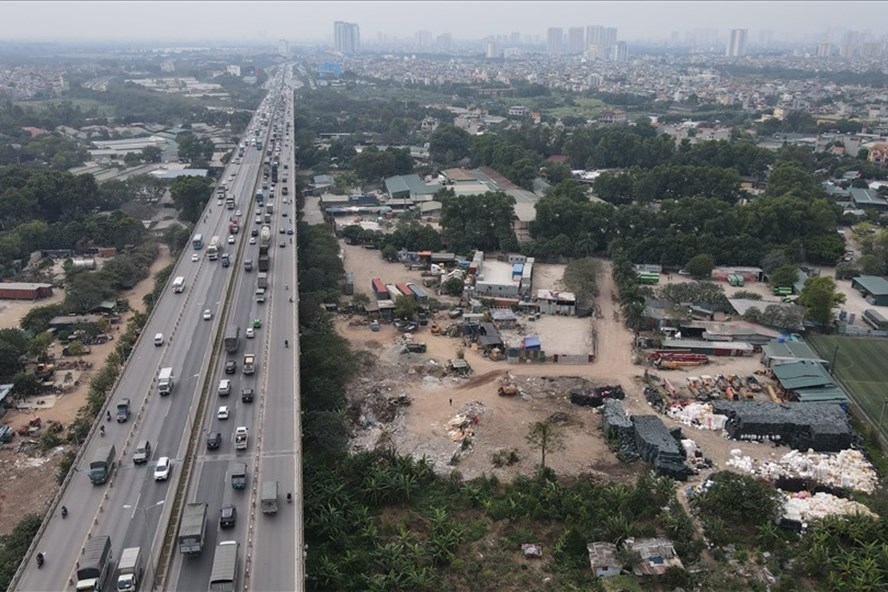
{"x": 421, "y": 429}
{"x": 30, "y": 481}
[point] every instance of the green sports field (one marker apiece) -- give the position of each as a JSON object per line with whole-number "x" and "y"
{"x": 862, "y": 367}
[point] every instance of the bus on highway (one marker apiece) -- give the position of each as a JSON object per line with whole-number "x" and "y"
{"x": 213, "y": 249}
{"x": 197, "y": 242}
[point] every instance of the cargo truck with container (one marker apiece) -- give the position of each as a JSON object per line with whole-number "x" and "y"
{"x": 269, "y": 497}
{"x": 165, "y": 381}
{"x": 129, "y": 570}
{"x": 94, "y": 564}
{"x": 264, "y": 242}
{"x": 123, "y": 410}
{"x": 193, "y": 529}
{"x": 239, "y": 476}
{"x": 232, "y": 339}
{"x": 269, "y": 208}
{"x": 213, "y": 249}
{"x": 179, "y": 284}
{"x": 102, "y": 464}
{"x": 249, "y": 363}
{"x": 262, "y": 280}
{"x": 223, "y": 576}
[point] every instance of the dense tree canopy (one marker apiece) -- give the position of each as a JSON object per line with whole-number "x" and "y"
{"x": 480, "y": 222}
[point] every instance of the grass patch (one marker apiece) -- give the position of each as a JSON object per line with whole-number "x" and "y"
{"x": 585, "y": 107}
{"x": 86, "y": 105}
{"x": 859, "y": 363}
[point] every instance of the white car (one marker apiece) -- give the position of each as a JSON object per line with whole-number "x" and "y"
{"x": 218, "y": 202}
{"x": 251, "y": 333}
{"x": 208, "y": 315}
{"x": 237, "y": 213}
{"x": 195, "y": 257}
{"x": 223, "y": 412}
{"x": 252, "y": 240}
{"x": 162, "y": 470}
{"x": 230, "y": 239}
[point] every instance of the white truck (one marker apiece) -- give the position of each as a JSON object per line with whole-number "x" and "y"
{"x": 129, "y": 570}
{"x": 179, "y": 284}
{"x": 249, "y": 363}
{"x": 165, "y": 381}
{"x": 241, "y": 436}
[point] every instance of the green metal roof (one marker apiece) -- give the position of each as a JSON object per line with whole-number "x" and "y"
{"x": 873, "y": 284}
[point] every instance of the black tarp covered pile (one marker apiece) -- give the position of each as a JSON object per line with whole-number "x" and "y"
{"x": 655, "y": 398}
{"x": 595, "y": 397}
{"x": 823, "y": 427}
{"x": 619, "y": 430}
{"x": 660, "y": 447}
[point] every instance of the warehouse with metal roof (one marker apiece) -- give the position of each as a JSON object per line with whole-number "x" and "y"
{"x": 873, "y": 287}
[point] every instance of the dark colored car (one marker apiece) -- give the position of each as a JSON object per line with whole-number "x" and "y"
{"x": 247, "y": 395}
{"x": 214, "y": 440}
{"x": 227, "y": 516}
{"x": 254, "y": 232}
{"x": 230, "y": 367}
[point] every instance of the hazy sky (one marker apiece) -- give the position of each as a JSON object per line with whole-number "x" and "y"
{"x": 463, "y": 19}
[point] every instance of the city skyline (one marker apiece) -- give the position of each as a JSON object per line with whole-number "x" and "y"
{"x": 313, "y": 22}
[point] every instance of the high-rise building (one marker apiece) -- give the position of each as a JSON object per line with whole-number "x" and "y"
{"x": 766, "y": 37}
{"x": 555, "y": 40}
{"x": 576, "y": 40}
{"x": 283, "y": 47}
{"x": 824, "y": 50}
{"x": 609, "y": 37}
{"x": 346, "y": 37}
{"x": 424, "y": 38}
{"x": 594, "y": 34}
{"x": 443, "y": 41}
{"x": 737, "y": 45}
{"x": 619, "y": 52}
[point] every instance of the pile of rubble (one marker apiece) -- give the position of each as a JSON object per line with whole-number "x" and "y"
{"x": 802, "y": 507}
{"x": 461, "y": 427}
{"x": 847, "y": 469}
{"x": 697, "y": 415}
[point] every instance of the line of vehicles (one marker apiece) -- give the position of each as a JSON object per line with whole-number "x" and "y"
{"x": 96, "y": 563}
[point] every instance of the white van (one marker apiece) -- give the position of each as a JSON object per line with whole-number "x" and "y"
{"x": 178, "y": 284}
{"x": 224, "y": 387}
{"x": 158, "y": 339}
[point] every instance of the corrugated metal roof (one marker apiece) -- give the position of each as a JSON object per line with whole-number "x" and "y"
{"x": 875, "y": 285}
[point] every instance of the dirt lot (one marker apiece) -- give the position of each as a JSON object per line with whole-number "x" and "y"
{"x": 439, "y": 400}
{"x": 30, "y": 479}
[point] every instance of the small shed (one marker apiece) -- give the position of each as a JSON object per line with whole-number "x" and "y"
{"x": 603, "y": 559}
{"x": 532, "y": 343}
{"x": 24, "y": 291}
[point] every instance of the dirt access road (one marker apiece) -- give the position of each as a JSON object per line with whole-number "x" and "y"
{"x": 424, "y": 427}
{"x": 30, "y": 482}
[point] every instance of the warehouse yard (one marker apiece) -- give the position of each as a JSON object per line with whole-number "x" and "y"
{"x": 443, "y": 409}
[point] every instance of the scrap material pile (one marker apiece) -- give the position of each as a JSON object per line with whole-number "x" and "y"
{"x": 824, "y": 427}
{"x": 461, "y": 428}
{"x": 797, "y": 470}
{"x": 655, "y": 399}
{"x": 698, "y": 415}
{"x": 646, "y": 437}
{"x": 595, "y": 397}
{"x": 732, "y": 388}
{"x": 802, "y": 507}
{"x": 671, "y": 360}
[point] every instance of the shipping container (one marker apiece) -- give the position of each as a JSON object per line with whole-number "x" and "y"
{"x": 379, "y": 289}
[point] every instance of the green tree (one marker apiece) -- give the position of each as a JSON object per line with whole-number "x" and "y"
{"x": 546, "y": 437}
{"x": 152, "y": 154}
{"x": 700, "y": 266}
{"x": 190, "y": 196}
{"x": 453, "y": 287}
{"x": 405, "y": 307}
{"x": 449, "y": 144}
{"x": 820, "y": 295}
{"x": 784, "y": 276}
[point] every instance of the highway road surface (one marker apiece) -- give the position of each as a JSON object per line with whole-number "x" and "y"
{"x": 133, "y": 508}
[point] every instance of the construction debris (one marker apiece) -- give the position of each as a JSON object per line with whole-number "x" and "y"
{"x": 802, "y": 507}
{"x": 594, "y": 397}
{"x": 847, "y": 469}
